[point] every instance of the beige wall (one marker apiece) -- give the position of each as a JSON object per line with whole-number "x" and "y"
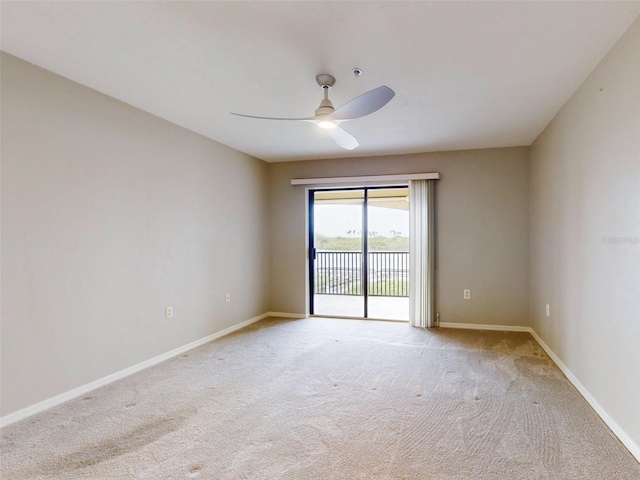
{"x": 108, "y": 215}
{"x": 585, "y": 234}
{"x": 483, "y": 202}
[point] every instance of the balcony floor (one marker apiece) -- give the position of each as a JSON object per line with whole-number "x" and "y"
{"x": 385, "y": 308}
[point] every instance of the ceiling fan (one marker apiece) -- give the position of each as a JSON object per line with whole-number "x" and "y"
{"x": 329, "y": 118}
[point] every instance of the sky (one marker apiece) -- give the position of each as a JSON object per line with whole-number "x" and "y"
{"x": 337, "y": 220}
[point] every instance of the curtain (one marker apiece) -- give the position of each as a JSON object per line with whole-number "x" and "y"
{"x": 422, "y": 253}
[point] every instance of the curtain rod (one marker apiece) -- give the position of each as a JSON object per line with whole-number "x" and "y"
{"x": 402, "y": 177}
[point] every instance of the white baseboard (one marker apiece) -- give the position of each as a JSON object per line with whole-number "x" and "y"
{"x": 633, "y": 448}
{"x": 474, "y": 326}
{"x": 287, "y": 315}
{"x": 76, "y": 392}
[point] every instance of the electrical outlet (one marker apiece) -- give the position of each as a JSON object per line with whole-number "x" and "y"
{"x": 227, "y": 298}
{"x": 467, "y": 294}
{"x": 168, "y": 312}
{"x": 547, "y": 310}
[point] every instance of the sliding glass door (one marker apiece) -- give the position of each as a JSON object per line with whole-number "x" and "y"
{"x": 337, "y": 248}
{"x": 359, "y": 252}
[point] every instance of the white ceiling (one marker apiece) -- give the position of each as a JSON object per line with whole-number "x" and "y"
{"x": 466, "y": 74}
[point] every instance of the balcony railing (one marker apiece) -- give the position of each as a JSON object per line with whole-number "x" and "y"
{"x": 340, "y": 273}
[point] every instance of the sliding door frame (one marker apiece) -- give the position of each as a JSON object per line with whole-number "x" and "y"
{"x": 365, "y": 240}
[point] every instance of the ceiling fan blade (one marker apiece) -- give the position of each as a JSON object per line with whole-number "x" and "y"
{"x": 344, "y": 139}
{"x": 365, "y": 104}
{"x": 272, "y": 118}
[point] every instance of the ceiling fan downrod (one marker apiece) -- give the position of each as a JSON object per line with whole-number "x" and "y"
{"x": 325, "y": 81}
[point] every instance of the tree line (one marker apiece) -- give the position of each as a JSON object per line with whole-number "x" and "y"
{"x": 377, "y": 243}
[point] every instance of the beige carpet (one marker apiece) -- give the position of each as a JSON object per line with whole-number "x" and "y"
{"x": 329, "y": 399}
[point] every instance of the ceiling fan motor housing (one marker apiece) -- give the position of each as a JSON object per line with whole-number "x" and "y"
{"x": 325, "y": 108}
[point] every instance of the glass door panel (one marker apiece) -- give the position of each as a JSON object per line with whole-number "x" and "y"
{"x": 388, "y": 247}
{"x": 338, "y": 263}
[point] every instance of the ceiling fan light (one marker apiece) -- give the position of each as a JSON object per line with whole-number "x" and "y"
{"x": 327, "y": 124}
